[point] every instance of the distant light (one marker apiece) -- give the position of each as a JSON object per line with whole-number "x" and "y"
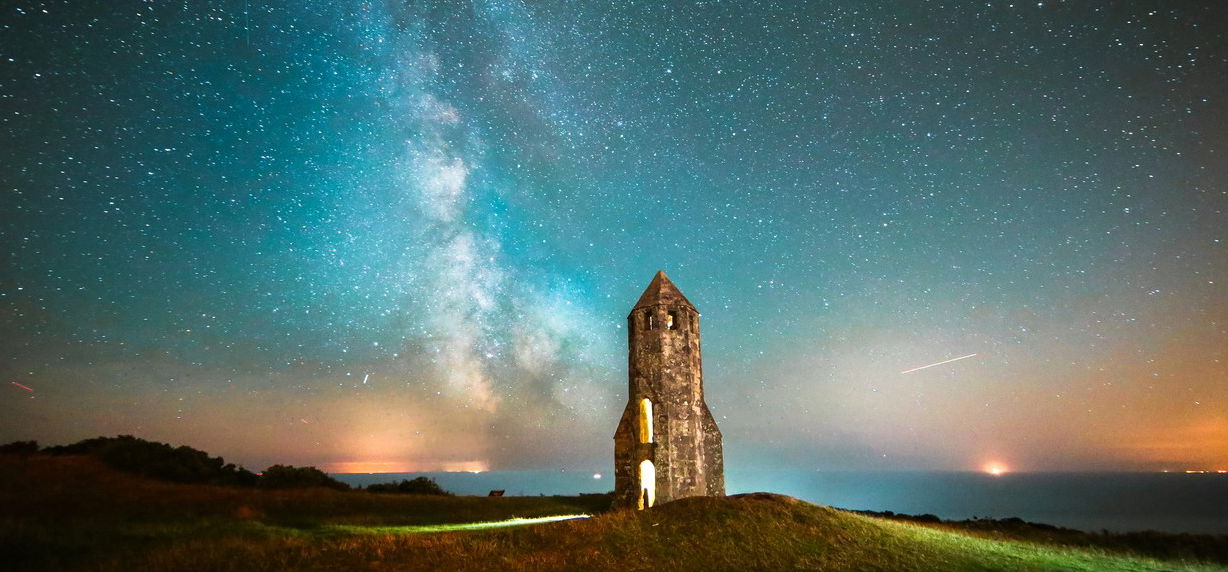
{"x": 596, "y": 475}
{"x": 995, "y": 469}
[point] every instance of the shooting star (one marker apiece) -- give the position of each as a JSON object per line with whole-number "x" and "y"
{"x": 365, "y": 378}
{"x": 25, "y": 387}
{"x": 939, "y": 363}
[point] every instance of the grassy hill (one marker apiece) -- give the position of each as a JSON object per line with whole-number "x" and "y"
{"x": 74, "y": 513}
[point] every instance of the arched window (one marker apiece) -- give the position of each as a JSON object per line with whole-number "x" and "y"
{"x": 648, "y": 485}
{"x": 645, "y": 420}
{"x": 671, "y": 320}
{"x": 649, "y": 320}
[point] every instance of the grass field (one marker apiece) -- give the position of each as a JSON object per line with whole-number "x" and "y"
{"x": 71, "y": 513}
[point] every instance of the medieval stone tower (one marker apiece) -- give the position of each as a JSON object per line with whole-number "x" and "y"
{"x": 667, "y": 445}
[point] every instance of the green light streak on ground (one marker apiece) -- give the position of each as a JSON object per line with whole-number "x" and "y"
{"x": 454, "y": 527}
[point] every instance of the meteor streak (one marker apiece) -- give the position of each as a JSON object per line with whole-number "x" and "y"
{"x": 939, "y": 363}
{"x": 25, "y": 387}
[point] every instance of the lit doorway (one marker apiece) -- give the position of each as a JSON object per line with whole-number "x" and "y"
{"x": 648, "y": 485}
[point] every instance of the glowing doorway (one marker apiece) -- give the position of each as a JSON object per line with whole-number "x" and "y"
{"x": 648, "y": 485}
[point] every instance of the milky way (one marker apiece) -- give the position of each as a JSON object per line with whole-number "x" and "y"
{"x": 405, "y": 236}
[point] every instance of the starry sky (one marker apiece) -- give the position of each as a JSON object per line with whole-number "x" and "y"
{"x": 404, "y": 236}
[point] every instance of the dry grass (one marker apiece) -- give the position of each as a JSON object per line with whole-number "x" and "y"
{"x": 133, "y": 524}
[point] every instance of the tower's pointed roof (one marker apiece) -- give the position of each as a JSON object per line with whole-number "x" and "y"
{"x": 661, "y": 291}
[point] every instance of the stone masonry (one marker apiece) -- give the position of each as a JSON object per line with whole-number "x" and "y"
{"x": 667, "y": 445}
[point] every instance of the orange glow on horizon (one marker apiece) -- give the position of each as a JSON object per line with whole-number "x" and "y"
{"x": 406, "y": 467}
{"x": 995, "y": 468}
{"x": 1200, "y": 443}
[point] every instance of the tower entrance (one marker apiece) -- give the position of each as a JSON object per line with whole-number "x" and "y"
{"x": 648, "y": 485}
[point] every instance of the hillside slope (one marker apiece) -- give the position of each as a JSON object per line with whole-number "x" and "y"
{"x": 65, "y": 513}
{"x": 752, "y": 532}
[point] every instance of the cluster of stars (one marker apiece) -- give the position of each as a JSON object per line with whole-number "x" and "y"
{"x": 409, "y": 223}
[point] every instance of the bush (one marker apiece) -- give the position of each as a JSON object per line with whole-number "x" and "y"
{"x": 19, "y": 448}
{"x": 159, "y": 460}
{"x": 290, "y": 477}
{"x": 417, "y": 486}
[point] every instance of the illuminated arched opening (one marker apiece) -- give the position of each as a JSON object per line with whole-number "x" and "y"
{"x": 671, "y": 320}
{"x": 648, "y": 485}
{"x": 645, "y": 420}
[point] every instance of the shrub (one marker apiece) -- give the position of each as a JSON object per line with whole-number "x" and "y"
{"x": 159, "y": 460}
{"x": 417, "y": 486}
{"x": 291, "y": 477}
{"x": 20, "y": 448}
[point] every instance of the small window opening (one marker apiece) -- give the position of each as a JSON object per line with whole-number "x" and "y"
{"x": 671, "y": 320}
{"x": 650, "y": 320}
{"x": 645, "y": 420}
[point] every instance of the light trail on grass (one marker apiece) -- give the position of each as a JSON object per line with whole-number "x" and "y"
{"x": 457, "y": 527}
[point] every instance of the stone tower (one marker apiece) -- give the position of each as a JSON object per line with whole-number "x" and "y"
{"x": 667, "y": 445}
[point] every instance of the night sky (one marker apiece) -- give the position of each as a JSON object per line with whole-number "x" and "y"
{"x": 404, "y": 236}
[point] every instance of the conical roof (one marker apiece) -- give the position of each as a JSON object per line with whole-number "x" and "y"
{"x": 661, "y": 291}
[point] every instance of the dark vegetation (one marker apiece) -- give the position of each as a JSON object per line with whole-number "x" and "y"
{"x": 62, "y": 511}
{"x": 416, "y": 486}
{"x": 187, "y": 465}
{"x": 290, "y": 477}
{"x": 19, "y": 448}
{"x": 158, "y": 460}
{"x": 181, "y": 464}
{"x": 184, "y": 464}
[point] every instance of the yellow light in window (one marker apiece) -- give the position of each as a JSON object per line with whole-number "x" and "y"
{"x": 645, "y": 420}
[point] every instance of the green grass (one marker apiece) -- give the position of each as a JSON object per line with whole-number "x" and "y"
{"x": 73, "y": 514}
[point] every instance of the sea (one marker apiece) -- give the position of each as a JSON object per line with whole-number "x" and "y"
{"x": 1118, "y": 502}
